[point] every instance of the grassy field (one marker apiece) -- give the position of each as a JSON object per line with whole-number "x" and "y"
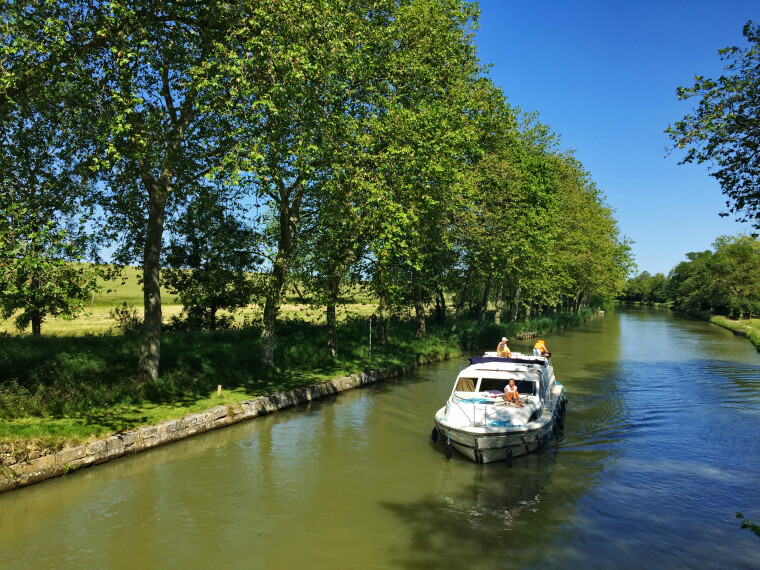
{"x": 97, "y": 319}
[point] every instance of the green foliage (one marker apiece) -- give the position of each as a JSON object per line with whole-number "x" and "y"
{"x": 210, "y": 262}
{"x": 735, "y": 268}
{"x": 126, "y": 318}
{"x": 723, "y": 129}
{"x": 37, "y": 276}
{"x": 752, "y": 527}
{"x": 43, "y": 212}
{"x": 646, "y": 288}
{"x": 726, "y": 281}
{"x": 51, "y": 376}
{"x": 363, "y": 136}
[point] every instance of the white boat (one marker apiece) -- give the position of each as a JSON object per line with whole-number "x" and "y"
{"x": 479, "y": 423}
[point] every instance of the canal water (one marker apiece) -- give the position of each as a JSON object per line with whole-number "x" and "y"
{"x": 661, "y": 448}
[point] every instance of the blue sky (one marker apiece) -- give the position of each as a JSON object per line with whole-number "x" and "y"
{"x": 603, "y": 75}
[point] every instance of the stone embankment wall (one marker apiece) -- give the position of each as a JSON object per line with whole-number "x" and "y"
{"x": 19, "y": 468}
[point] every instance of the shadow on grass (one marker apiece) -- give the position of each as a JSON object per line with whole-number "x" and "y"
{"x": 72, "y": 376}
{"x": 114, "y": 420}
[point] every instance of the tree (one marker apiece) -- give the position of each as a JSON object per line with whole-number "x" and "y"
{"x": 209, "y": 260}
{"x": 309, "y": 55}
{"x": 172, "y": 92}
{"x": 421, "y": 141}
{"x": 162, "y": 106}
{"x": 735, "y": 272}
{"x": 647, "y": 288}
{"x": 691, "y": 282}
{"x": 658, "y": 288}
{"x": 151, "y": 89}
{"x": 533, "y": 275}
{"x": 43, "y": 234}
{"x": 486, "y": 217}
{"x": 39, "y": 273}
{"x": 724, "y": 281}
{"x": 638, "y": 288}
{"x": 725, "y": 128}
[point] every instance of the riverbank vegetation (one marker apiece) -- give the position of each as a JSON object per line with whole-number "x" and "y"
{"x": 57, "y": 390}
{"x": 722, "y": 285}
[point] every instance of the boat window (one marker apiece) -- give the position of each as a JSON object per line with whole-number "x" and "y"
{"x": 493, "y": 384}
{"x": 465, "y": 385}
{"x": 525, "y": 387}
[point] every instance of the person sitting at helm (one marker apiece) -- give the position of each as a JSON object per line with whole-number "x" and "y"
{"x": 539, "y": 349}
{"x": 502, "y": 349}
{"x": 511, "y": 394}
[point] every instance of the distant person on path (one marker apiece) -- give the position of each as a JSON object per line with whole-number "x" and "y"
{"x": 502, "y": 349}
{"x": 512, "y": 395}
{"x": 539, "y": 349}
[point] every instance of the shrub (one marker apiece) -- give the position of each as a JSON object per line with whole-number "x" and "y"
{"x": 127, "y": 319}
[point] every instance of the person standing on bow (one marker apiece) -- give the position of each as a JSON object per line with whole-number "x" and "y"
{"x": 502, "y": 349}
{"x": 539, "y": 349}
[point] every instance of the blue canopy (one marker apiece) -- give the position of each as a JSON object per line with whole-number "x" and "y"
{"x": 482, "y": 359}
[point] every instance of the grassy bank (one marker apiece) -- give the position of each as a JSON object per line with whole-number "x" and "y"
{"x": 57, "y": 390}
{"x": 750, "y": 327}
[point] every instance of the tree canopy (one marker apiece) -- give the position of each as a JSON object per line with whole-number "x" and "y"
{"x": 341, "y": 143}
{"x": 724, "y": 280}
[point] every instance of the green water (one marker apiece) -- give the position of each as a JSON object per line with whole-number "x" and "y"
{"x": 661, "y": 448}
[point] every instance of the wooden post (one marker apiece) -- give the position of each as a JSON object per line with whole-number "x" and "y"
{"x": 219, "y": 390}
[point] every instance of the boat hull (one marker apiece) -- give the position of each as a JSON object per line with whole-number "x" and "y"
{"x": 486, "y": 445}
{"x": 485, "y": 448}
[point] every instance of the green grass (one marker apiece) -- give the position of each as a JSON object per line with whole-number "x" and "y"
{"x": 126, "y": 289}
{"x": 54, "y": 432}
{"x": 750, "y": 326}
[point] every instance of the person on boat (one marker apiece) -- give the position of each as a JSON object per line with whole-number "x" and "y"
{"x": 539, "y": 349}
{"x": 511, "y": 394}
{"x": 502, "y": 349}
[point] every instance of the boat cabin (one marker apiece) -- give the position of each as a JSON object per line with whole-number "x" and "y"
{"x": 532, "y": 376}
{"x": 487, "y": 383}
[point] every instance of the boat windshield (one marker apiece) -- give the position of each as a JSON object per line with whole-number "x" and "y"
{"x": 498, "y": 384}
{"x": 465, "y": 384}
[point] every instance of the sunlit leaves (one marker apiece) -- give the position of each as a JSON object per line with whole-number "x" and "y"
{"x": 38, "y": 273}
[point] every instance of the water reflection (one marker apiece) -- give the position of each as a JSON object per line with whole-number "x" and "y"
{"x": 477, "y": 510}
